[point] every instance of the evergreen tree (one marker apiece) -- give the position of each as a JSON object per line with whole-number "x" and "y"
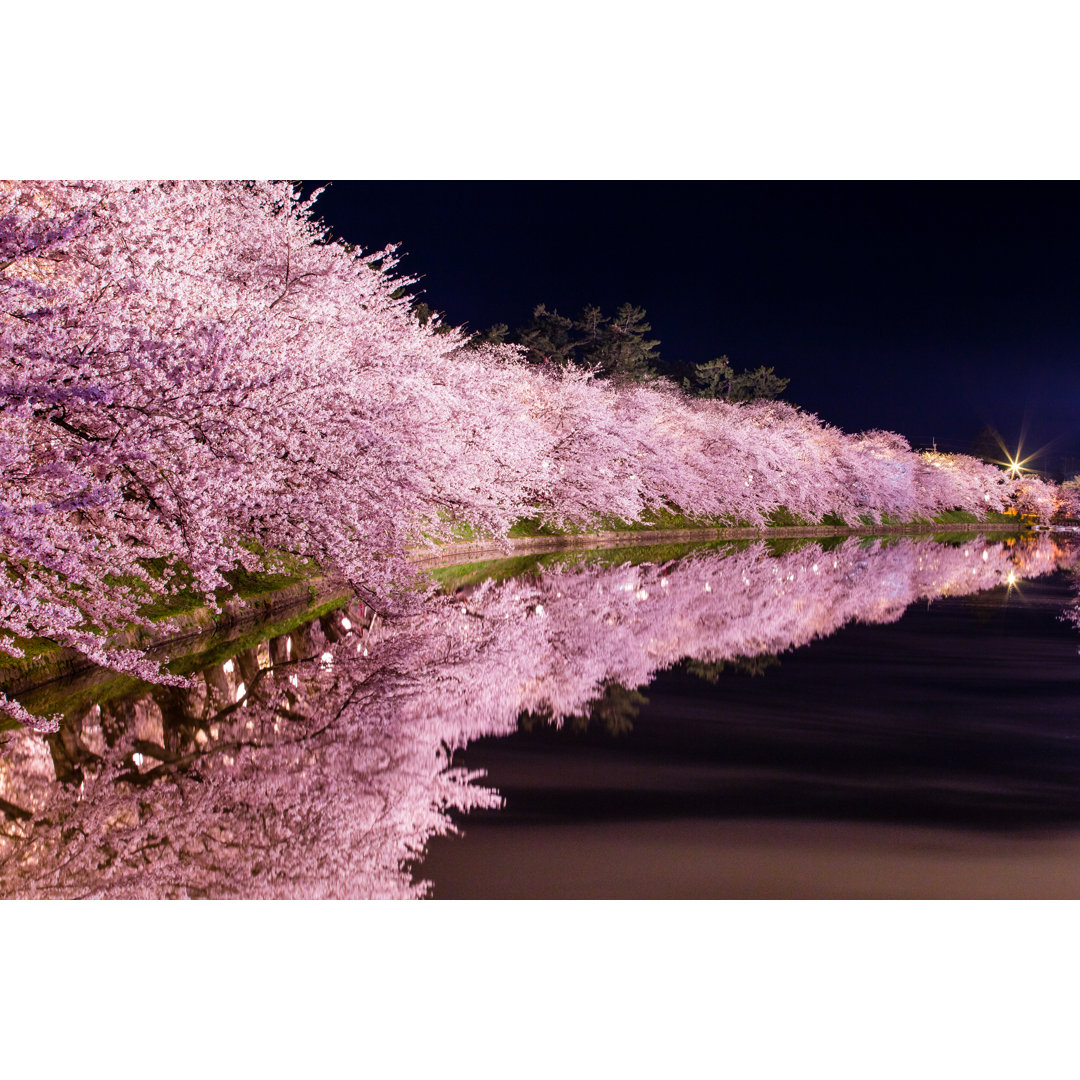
{"x": 615, "y": 348}
{"x": 623, "y": 351}
{"x": 493, "y": 335}
{"x": 718, "y": 379}
{"x": 425, "y": 314}
{"x": 620, "y": 349}
{"x": 548, "y": 337}
{"x": 989, "y": 446}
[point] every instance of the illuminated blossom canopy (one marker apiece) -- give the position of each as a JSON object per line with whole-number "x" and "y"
{"x": 196, "y": 372}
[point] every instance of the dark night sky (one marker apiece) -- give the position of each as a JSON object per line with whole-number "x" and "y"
{"x": 929, "y": 309}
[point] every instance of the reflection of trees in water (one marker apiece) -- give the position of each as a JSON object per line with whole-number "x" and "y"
{"x": 615, "y": 709}
{"x": 282, "y": 772}
{"x": 612, "y": 713}
{"x": 753, "y": 666}
{"x": 320, "y": 763}
{"x": 1072, "y": 613}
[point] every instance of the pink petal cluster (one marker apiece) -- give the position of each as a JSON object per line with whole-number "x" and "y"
{"x": 192, "y": 369}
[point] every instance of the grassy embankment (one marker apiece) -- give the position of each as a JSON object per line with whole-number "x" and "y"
{"x": 293, "y": 589}
{"x": 464, "y": 574}
{"x": 672, "y": 521}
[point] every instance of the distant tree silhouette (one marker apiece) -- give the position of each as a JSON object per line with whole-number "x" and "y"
{"x": 987, "y": 445}
{"x": 618, "y": 348}
{"x": 615, "y": 347}
{"x": 718, "y": 379}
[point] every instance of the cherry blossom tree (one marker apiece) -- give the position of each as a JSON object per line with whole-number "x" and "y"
{"x": 1037, "y": 498}
{"x": 193, "y": 374}
{"x": 1069, "y": 498}
{"x": 195, "y": 369}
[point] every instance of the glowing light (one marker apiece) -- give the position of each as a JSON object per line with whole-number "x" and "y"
{"x": 346, "y": 624}
{"x": 1016, "y": 465}
{"x": 1011, "y": 579}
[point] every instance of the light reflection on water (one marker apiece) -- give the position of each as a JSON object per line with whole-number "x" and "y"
{"x": 325, "y": 762}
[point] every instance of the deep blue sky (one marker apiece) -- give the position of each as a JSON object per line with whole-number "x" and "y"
{"x": 929, "y": 309}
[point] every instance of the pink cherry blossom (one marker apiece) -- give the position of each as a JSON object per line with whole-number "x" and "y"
{"x": 194, "y": 369}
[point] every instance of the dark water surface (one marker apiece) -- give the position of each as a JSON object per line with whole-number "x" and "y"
{"x": 936, "y": 756}
{"x": 839, "y": 718}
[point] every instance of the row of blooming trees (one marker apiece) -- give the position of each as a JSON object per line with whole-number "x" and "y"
{"x": 321, "y": 765}
{"x": 192, "y": 372}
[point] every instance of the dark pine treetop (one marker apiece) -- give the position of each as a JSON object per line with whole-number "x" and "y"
{"x": 620, "y": 349}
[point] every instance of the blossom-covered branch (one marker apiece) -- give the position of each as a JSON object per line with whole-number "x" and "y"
{"x": 194, "y": 372}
